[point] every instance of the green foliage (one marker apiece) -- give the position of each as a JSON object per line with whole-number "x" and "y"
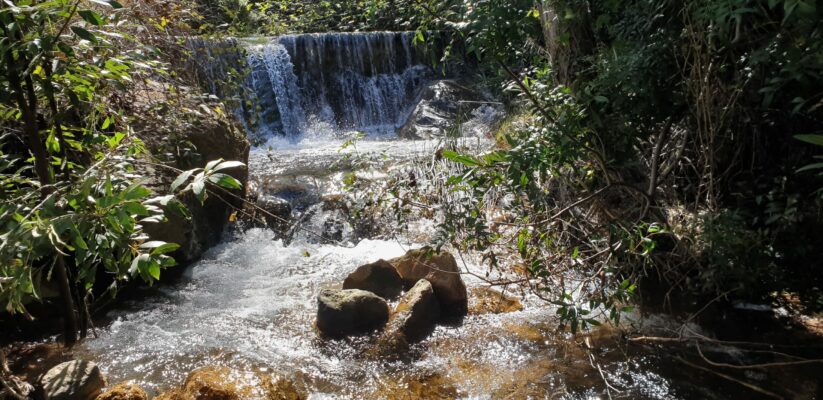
{"x": 70, "y": 165}
{"x": 637, "y": 108}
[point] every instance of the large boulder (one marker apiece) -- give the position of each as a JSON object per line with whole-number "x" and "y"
{"x": 439, "y": 268}
{"x": 417, "y": 313}
{"x": 379, "y": 277}
{"x": 211, "y": 136}
{"x": 124, "y": 391}
{"x": 73, "y": 380}
{"x": 351, "y": 311}
{"x": 451, "y": 108}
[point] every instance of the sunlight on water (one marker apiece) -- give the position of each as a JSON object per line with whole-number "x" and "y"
{"x": 250, "y": 305}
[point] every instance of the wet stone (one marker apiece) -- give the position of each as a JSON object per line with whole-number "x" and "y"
{"x": 350, "y": 312}
{"x": 417, "y": 313}
{"x": 73, "y": 380}
{"x": 380, "y": 278}
{"x": 439, "y": 268}
{"x": 484, "y": 300}
{"x": 124, "y": 391}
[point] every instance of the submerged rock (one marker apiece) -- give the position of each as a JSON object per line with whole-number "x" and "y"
{"x": 278, "y": 388}
{"x": 449, "y": 108}
{"x": 208, "y": 383}
{"x": 124, "y": 391}
{"x": 484, "y": 300}
{"x": 73, "y": 380}
{"x": 275, "y": 211}
{"x": 439, "y": 268}
{"x": 380, "y": 278}
{"x": 349, "y": 312}
{"x": 417, "y": 313}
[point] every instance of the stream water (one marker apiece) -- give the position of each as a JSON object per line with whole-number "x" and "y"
{"x": 250, "y": 303}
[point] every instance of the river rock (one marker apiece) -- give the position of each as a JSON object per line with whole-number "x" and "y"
{"x": 279, "y": 388}
{"x": 73, "y": 380}
{"x": 439, "y": 268}
{"x": 275, "y": 211}
{"x": 484, "y": 300}
{"x": 350, "y": 311}
{"x": 124, "y": 391}
{"x": 210, "y": 383}
{"x": 417, "y": 313}
{"x": 380, "y": 278}
{"x": 451, "y": 108}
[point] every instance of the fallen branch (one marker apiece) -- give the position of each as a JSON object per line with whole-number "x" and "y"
{"x": 755, "y": 388}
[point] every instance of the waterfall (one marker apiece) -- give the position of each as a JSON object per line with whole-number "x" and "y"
{"x": 321, "y": 84}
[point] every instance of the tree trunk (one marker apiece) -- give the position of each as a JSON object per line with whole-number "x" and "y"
{"x": 28, "y": 109}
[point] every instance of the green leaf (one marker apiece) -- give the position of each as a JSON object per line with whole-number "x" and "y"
{"x": 813, "y": 139}
{"x": 228, "y": 164}
{"x": 84, "y": 34}
{"x": 211, "y": 164}
{"x": 154, "y": 270}
{"x": 460, "y": 158}
{"x": 135, "y": 208}
{"x": 92, "y": 17}
{"x": 225, "y": 181}
{"x": 199, "y": 188}
{"x": 165, "y": 248}
{"x": 136, "y": 191}
{"x": 181, "y": 179}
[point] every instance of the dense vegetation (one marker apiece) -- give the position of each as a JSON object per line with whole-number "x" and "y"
{"x": 667, "y": 140}
{"x": 74, "y": 201}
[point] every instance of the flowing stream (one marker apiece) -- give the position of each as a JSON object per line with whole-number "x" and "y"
{"x": 250, "y": 303}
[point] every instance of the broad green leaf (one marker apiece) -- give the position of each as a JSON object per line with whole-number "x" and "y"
{"x": 460, "y": 158}
{"x": 228, "y": 164}
{"x": 165, "y": 248}
{"x": 154, "y": 270}
{"x": 211, "y": 164}
{"x": 153, "y": 244}
{"x": 84, "y": 34}
{"x": 92, "y": 17}
{"x": 199, "y": 188}
{"x": 225, "y": 181}
{"x": 813, "y": 139}
{"x": 181, "y": 179}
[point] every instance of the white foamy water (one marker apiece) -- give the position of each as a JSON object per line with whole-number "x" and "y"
{"x": 252, "y": 300}
{"x": 250, "y": 305}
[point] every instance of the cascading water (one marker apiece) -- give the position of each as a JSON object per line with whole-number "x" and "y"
{"x": 321, "y": 83}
